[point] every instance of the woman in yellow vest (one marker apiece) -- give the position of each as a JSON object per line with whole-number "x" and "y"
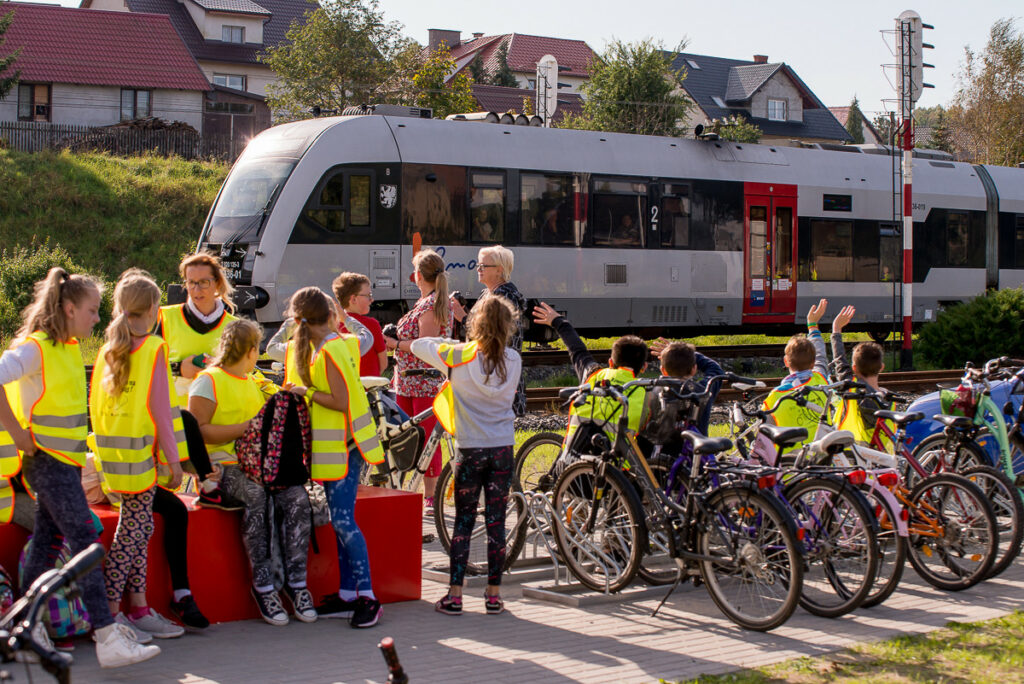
{"x": 136, "y": 426}
{"x": 192, "y": 331}
{"x": 43, "y": 407}
{"x": 344, "y": 435}
{"x": 225, "y": 398}
{"x": 476, "y": 406}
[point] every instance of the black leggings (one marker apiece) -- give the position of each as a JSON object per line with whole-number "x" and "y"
{"x": 198, "y": 458}
{"x": 172, "y": 509}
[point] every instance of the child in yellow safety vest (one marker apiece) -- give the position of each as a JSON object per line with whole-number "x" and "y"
{"x": 344, "y": 435}
{"x": 858, "y": 415}
{"x": 43, "y": 408}
{"x": 137, "y": 426}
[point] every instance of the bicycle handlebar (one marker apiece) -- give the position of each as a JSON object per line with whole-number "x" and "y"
{"x": 428, "y": 372}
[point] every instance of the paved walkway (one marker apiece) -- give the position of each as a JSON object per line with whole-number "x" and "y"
{"x": 540, "y": 641}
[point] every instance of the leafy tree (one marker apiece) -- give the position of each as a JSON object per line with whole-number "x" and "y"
{"x": 452, "y": 97}
{"x": 503, "y": 76}
{"x": 985, "y": 327}
{"x": 9, "y": 81}
{"x": 633, "y": 89}
{"x": 477, "y": 72}
{"x": 342, "y": 55}
{"x": 988, "y": 109}
{"x": 942, "y": 136}
{"x": 928, "y": 116}
{"x": 885, "y": 127}
{"x": 855, "y": 122}
{"x": 737, "y": 129}
{"x": 528, "y": 106}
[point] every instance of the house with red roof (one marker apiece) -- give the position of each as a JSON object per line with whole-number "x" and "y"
{"x": 94, "y": 68}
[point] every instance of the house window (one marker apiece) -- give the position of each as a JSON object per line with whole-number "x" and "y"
{"x": 777, "y": 110}
{"x": 232, "y": 34}
{"x": 236, "y": 81}
{"x": 718, "y": 101}
{"x": 136, "y": 104}
{"x": 532, "y": 82}
{"x": 33, "y": 102}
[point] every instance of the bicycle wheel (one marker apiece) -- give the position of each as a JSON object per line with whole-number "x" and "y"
{"x": 840, "y": 545}
{"x": 534, "y": 460}
{"x": 1009, "y": 510}
{"x": 953, "y": 538}
{"x": 757, "y": 578}
{"x": 444, "y": 521}
{"x": 967, "y": 455}
{"x": 892, "y": 552}
{"x": 606, "y": 554}
{"x": 657, "y": 566}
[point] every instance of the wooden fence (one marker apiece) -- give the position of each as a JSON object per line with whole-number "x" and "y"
{"x": 33, "y": 137}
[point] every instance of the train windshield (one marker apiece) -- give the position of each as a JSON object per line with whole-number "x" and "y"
{"x": 247, "y": 197}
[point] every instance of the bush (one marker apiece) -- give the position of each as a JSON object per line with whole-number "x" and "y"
{"x": 21, "y": 268}
{"x": 984, "y": 328}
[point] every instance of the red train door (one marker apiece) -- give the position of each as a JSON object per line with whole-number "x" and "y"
{"x": 769, "y": 266}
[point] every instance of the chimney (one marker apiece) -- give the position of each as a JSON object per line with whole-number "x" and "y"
{"x": 760, "y": 59}
{"x": 477, "y": 35}
{"x": 437, "y": 36}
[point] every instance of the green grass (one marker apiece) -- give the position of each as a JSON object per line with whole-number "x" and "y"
{"x": 710, "y": 340}
{"x": 988, "y": 651}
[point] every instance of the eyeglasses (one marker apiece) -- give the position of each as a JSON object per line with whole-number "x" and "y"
{"x": 483, "y": 266}
{"x": 368, "y": 296}
{"x": 204, "y": 284}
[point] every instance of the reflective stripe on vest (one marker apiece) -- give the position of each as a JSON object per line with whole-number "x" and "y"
{"x": 183, "y": 341}
{"x": 600, "y": 409}
{"x": 790, "y": 414}
{"x": 444, "y": 403}
{"x": 238, "y": 400}
{"x": 59, "y": 417}
{"x": 125, "y": 432}
{"x": 6, "y": 500}
{"x": 10, "y": 459}
{"x": 335, "y": 431}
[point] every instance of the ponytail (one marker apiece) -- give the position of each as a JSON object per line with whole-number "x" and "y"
{"x": 135, "y": 296}
{"x": 311, "y": 307}
{"x": 431, "y": 268}
{"x": 119, "y": 349}
{"x": 491, "y": 325}
{"x": 442, "y": 307}
{"x": 45, "y": 312}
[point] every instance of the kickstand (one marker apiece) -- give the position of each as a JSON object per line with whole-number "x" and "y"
{"x": 679, "y": 578}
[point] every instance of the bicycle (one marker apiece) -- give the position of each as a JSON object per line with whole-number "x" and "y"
{"x": 18, "y": 623}
{"x": 729, "y": 530}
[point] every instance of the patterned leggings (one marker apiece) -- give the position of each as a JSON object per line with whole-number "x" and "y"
{"x": 490, "y": 469}
{"x": 126, "y": 562}
{"x": 353, "y": 558}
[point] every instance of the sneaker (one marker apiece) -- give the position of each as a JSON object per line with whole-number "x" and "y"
{"x": 366, "y": 612}
{"x": 333, "y": 606}
{"x": 42, "y": 638}
{"x": 217, "y": 498}
{"x": 494, "y": 605}
{"x": 188, "y": 612}
{"x": 157, "y": 625}
{"x": 140, "y": 636}
{"x": 270, "y": 607}
{"x": 449, "y": 605}
{"x": 428, "y": 506}
{"x": 116, "y": 646}
{"x": 302, "y": 602}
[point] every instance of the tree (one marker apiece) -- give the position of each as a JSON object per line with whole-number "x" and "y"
{"x": 988, "y": 110}
{"x": 737, "y": 129}
{"x": 928, "y": 116}
{"x": 477, "y": 72}
{"x": 9, "y": 81}
{"x": 503, "y": 75}
{"x": 633, "y": 89}
{"x": 342, "y": 55}
{"x": 452, "y": 97}
{"x": 855, "y": 122}
{"x": 884, "y": 126}
{"x": 942, "y": 136}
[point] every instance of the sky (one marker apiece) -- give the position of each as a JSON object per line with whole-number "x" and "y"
{"x": 837, "y": 48}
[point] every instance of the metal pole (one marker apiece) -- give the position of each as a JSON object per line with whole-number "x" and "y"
{"x": 907, "y": 132}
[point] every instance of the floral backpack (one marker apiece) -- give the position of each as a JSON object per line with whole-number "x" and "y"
{"x": 276, "y": 449}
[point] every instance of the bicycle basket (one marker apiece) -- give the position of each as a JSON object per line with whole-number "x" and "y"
{"x": 958, "y": 402}
{"x": 405, "y": 447}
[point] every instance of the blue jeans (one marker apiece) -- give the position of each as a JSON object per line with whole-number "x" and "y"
{"x": 353, "y": 559}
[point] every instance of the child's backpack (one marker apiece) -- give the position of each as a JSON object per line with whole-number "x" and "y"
{"x": 276, "y": 448}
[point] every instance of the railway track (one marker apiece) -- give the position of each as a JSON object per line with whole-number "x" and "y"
{"x": 559, "y": 357}
{"x": 913, "y": 382}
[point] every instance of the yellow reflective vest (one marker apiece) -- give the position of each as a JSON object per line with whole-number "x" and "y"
{"x": 125, "y": 432}
{"x": 335, "y": 431}
{"x": 848, "y": 417}
{"x": 602, "y": 409}
{"x": 790, "y": 414}
{"x": 453, "y": 355}
{"x": 183, "y": 341}
{"x": 238, "y": 400}
{"x": 10, "y": 459}
{"x": 59, "y": 419}
{"x": 6, "y": 500}
{"x": 291, "y": 370}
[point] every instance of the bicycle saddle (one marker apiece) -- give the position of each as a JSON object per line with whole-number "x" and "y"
{"x": 955, "y": 422}
{"x": 834, "y": 442}
{"x": 707, "y": 445}
{"x": 783, "y": 436}
{"x": 371, "y": 382}
{"x": 899, "y": 418}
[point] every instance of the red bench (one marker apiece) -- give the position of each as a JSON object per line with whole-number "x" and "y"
{"x": 219, "y": 570}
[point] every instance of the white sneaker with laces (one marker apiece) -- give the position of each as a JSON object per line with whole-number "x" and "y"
{"x": 39, "y": 635}
{"x": 139, "y": 635}
{"x": 157, "y": 625}
{"x": 116, "y": 647}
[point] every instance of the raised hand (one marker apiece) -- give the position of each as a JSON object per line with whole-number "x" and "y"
{"x": 544, "y": 314}
{"x": 816, "y": 312}
{"x": 843, "y": 318}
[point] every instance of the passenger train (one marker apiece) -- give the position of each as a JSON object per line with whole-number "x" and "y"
{"x": 618, "y": 231}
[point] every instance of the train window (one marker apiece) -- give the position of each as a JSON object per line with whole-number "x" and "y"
{"x": 675, "y": 220}
{"x": 957, "y": 239}
{"x": 329, "y": 211}
{"x": 547, "y": 209}
{"x": 487, "y": 207}
{"x": 716, "y": 216}
{"x": 831, "y": 251}
{"x": 1019, "y": 241}
{"x": 359, "y": 200}
{"x": 890, "y": 255}
{"x": 435, "y": 203}
{"x": 837, "y": 203}
{"x": 620, "y": 208}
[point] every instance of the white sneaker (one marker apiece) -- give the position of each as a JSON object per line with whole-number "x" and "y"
{"x": 140, "y": 636}
{"x": 156, "y": 624}
{"x": 39, "y": 635}
{"x": 116, "y": 647}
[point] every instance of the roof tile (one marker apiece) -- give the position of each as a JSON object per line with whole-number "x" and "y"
{"x": 240, "y": 6}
